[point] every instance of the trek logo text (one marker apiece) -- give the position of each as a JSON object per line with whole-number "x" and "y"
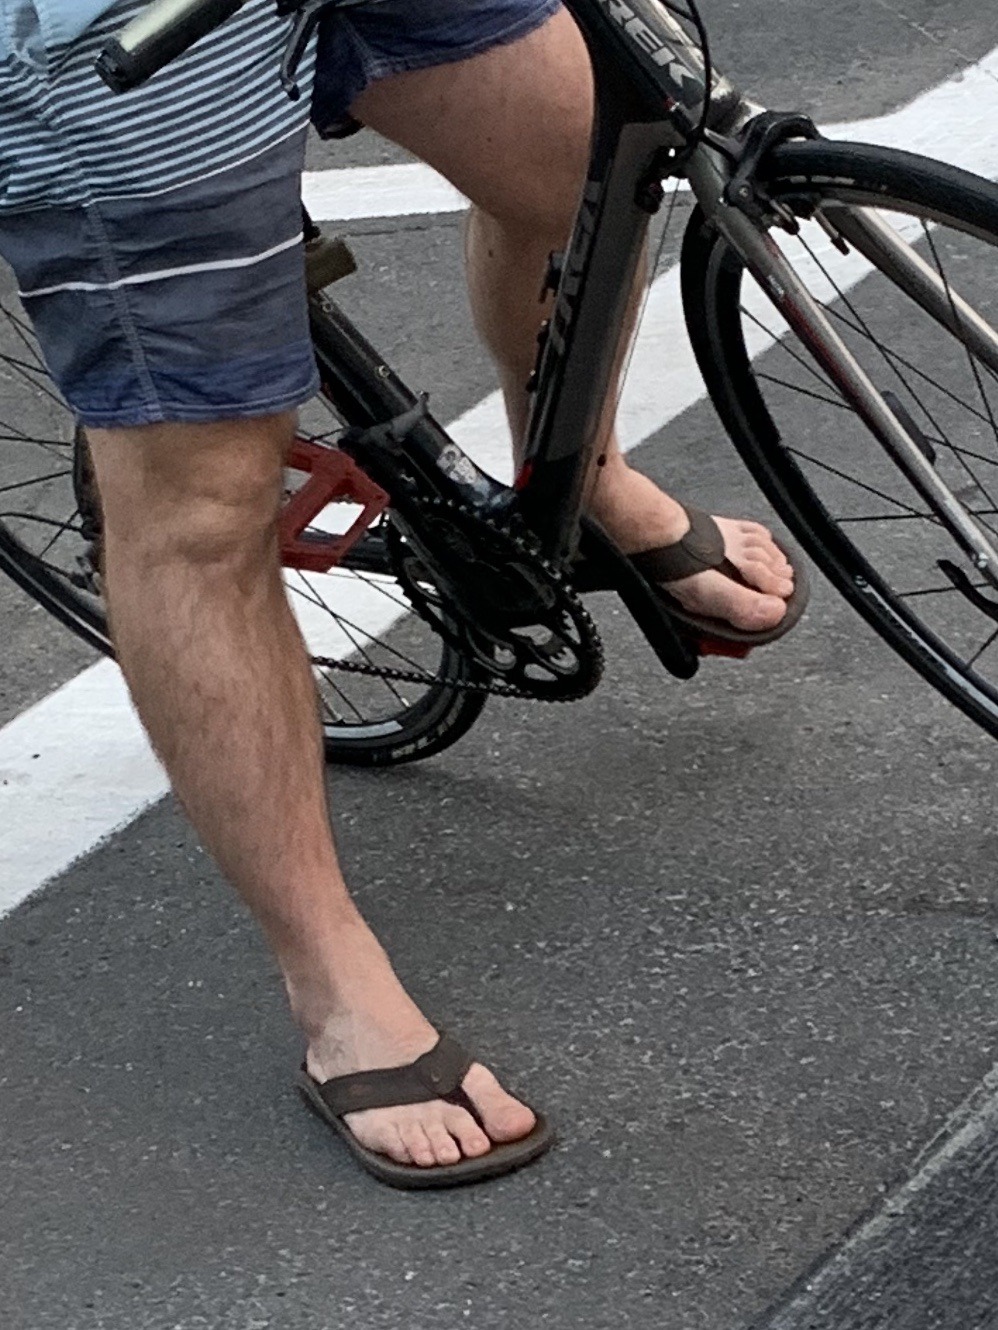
{"x": 683, "y": 64}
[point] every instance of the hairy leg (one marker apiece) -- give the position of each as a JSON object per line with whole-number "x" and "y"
{"x": 511, "y": 128}
{"x": 220, "y": 677}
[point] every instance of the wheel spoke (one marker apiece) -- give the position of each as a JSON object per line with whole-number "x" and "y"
{"x": 61, "y": 529}
{"x": 335, "y": 687}
{"x": 849, "y": 304}
{"x": 909, "y": 365}
{"x": 314, "y": 598}
{"x": 356, "y": 636}
{"x": 15, "y": 362}
{"x": 885, "y": 517}
{"x": 912, "y": 368}
{"x": 38, "y": 519}
{"x": 44, "y": 444}
{"x": 979, "y": 653}
{"x": 861, "y": 485}
{"x": 23, "y": 331}
{"x": 939, "y": 591}
{"x": 955, "y": 315}
{"x": 35, "y": 480}
{"x": 804, "y": 361}
{"x": 841, "y": 404}
{"x": 387, "y": 589}
{"x": 805, "y": 392}
{"x": 866, "y": 331}
{"x": 35, "y": 378}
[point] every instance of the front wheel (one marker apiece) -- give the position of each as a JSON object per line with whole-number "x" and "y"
{"x": 867, "y": 528}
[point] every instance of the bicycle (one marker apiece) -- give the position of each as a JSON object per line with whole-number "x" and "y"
{"x": 443, "y": 587}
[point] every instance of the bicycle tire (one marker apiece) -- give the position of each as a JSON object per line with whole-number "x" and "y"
{"x": 428, "y": 717}
{"x": 743, "y": 385}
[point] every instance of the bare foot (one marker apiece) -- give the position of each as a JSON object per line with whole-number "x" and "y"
{"x": 639, "y": 516}
{"x": 753, "y": 608}
{"x": 376, "y": 1024}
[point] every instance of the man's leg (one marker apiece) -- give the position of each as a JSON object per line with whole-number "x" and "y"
{"x": 220, "y": 677}
{"x": 510, "y": 128}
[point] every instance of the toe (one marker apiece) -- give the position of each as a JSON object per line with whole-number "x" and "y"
{"x": 743, "y": 607}
{"x": 418, "y": 1144}
{"x": 764, "y": 577}
{"x": 468, "y": 1134}
{"x": 374, "y": 1133}
{"x": 394, "y": 1146}
{"x": 766, "y": 550}
{"x": 445, "y": 1148}
{"x": 753, "y": 531}
{"x": 505, "y": 1118}
{"x": 742, "y": 537}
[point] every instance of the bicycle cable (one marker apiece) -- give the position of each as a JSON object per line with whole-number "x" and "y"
{"x": 653, "y": 273}
{"x": 691, "y": 14}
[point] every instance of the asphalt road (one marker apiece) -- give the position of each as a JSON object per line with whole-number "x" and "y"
{"x": 738, "y": 937}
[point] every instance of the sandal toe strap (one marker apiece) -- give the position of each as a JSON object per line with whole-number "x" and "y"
{"x": 436, "y": 1075}
{"x": 701, "y": 548}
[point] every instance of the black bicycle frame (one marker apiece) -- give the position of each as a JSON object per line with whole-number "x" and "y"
{"x": 650, "y": 90}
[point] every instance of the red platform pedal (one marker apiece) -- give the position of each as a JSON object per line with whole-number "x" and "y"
{"x": 332, "y": 478}
{"x": 715, "y": 646}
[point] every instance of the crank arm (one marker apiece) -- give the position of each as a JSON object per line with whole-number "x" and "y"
{"x": 377, "y": 448}
{"x": 412, "y": 443}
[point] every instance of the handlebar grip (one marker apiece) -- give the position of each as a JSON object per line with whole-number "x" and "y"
{"x": 157, "y": 35}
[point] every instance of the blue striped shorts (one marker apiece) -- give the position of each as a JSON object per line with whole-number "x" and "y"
{"x": 155, "y": 238}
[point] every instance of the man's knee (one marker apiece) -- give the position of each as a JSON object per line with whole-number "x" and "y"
{"x": 199, "y": 492}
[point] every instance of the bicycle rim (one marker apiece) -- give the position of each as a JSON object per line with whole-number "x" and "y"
{"x": 355, "y": 614}
{"x": 828, "y": 477}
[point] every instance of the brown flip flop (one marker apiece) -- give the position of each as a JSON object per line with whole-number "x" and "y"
{"x": 702, "y": 548}
{"x": 438, "y": 1074}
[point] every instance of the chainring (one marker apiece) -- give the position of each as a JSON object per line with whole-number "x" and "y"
{"x": 485, "y": 588}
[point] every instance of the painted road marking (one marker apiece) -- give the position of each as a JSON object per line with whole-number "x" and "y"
{"x": 925, "y": 1257}
{"x": 955, "y": 122}
{"x": 75, "y": 768}
{"x": 355, "y": 192}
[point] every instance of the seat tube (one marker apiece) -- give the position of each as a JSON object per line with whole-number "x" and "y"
{"x": 576, "y": 372}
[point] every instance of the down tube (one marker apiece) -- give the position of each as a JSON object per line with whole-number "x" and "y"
{"x": 576, "y": 371}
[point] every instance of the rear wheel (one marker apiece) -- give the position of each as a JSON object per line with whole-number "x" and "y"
{"x": 845, "y": 499}
{"x": 390, "y": 689}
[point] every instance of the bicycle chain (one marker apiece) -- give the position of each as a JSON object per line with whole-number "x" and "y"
{"x": 483, "y": 683}
{"x": 493, "y": 687}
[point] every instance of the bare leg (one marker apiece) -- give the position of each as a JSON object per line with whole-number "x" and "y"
{"x": 219, "y": 675}
{"x": 511, "y": 129}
